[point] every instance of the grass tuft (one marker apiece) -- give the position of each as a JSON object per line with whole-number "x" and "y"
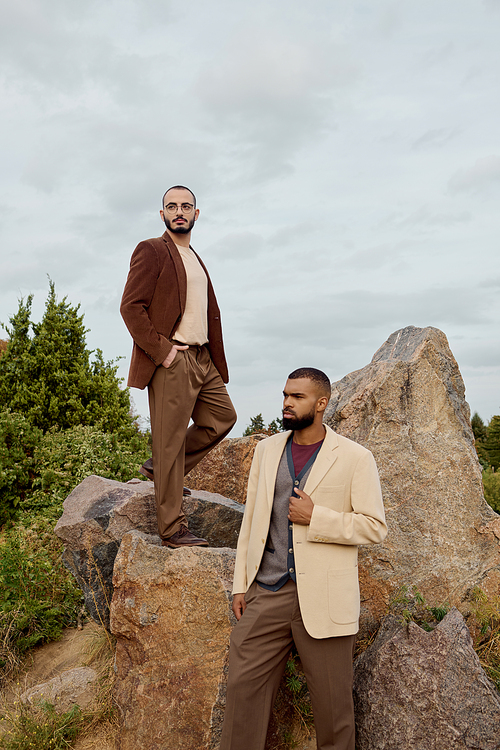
{"x": 485, "y": 612}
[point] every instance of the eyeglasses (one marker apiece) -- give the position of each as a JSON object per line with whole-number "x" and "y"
{"x": 172, "y": 208}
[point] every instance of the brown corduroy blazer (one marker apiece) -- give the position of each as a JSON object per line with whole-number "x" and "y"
{"x": 152, "y": 306}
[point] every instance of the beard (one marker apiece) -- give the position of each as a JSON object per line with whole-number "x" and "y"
{"x": 182, "y": 228}
{"x": 298, "y": 423}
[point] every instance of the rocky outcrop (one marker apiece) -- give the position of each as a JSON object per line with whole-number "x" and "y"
{"x": 408, "y": 407}
{"x": 225, "y": 469}
{"x": 420, "y": 690}
{"x": 100, "y": 511}
{"x": 95, "y": 517}
{"x": 172, "y": 618}
{"x": 171, "y": 611}
{"x": 171, "y": 615}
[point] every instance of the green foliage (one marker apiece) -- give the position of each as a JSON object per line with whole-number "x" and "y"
{"x": 64, "y": 458}
{"x": 18, "y": 442}
{"x": 492, "y": 442}
{"x": 39, "y": 597}
{"x": 41, "y": 727}
{"x": 276, "y": 425}
{"x": 480, "y": 435}
{"x": 62, "y": 418}
{"x": 478, "y": 427}
{"x": 411, "y": 606}
{"x": 257, "y": 425}
{"x": 296, "y": 686}
{"x": 38, "y": 471}
{"x": 487, "y": 440}
{"x": 491, "y": 484}
{"x": 49, "y": 377}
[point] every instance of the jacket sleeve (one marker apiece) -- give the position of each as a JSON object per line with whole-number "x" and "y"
{"x": 240, "y": 582}
{"x": 365, "y": 524}
{"x": 137, "y": 296}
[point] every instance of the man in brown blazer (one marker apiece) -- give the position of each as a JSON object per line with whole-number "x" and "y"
{"x": 170, "y": 309}
{"x": 296, "y": 575}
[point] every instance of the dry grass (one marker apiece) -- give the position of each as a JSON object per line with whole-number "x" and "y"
{"x": 485, "y": 628}
{"x": 41, "y": 727}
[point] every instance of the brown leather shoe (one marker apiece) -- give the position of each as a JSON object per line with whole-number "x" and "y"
{"x": 147, "y": 471}
{"x": 183, "y": 538}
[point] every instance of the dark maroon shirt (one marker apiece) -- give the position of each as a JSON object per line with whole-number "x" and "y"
{"x": 302, "y": 453}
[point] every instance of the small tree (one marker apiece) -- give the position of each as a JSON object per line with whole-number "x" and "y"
{"x": 480, "y": 435}
{"x": 492, "y": 443}
{"x": 49, "y": 378}
{"x": 257, "y": 425}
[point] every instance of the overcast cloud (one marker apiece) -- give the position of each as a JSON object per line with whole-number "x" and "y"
{"x": 345, "y": 156}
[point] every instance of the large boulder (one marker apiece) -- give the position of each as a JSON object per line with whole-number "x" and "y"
{"x": 171, "y": 615}
{"x": 100, "y": 511}
{"x": 408, "y": 407}
{"x": 420, "y": 690}
{"x": 95, "y": 517}
{"x": 225, "y": 469}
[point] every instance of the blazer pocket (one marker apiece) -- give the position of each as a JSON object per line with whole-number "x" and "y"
{"x": 330, "y": 497}
{"x": 343, "y": 595}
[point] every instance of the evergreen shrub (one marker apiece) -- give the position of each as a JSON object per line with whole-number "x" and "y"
{"x": 491, "y": 484}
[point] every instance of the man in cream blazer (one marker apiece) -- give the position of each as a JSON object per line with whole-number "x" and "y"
{"x": 313, "y": 497}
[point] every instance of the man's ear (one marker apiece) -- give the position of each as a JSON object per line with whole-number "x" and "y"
{"x": 322, "y": 403}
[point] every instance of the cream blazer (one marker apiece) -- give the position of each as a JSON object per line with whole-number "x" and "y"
{"x": 348, "y": 510}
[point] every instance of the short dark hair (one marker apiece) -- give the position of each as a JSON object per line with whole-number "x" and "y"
{"x": 178, "y": 187}
{"x": 317, "y": 376}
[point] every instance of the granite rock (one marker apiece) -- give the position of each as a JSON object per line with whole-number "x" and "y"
{"x": 420, "y": 690}
{"x": 100, "y": 511}
{"x": 95, "y": 517}
{"x": 171, "y": 615}
{"x": 225, "y": 469}
{"x": 408, "y": 407}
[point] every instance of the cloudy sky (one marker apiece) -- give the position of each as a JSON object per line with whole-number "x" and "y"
{"x": 345, "y": 155}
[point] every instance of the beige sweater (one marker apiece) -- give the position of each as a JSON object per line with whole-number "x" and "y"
{"x": 193, "y": 328}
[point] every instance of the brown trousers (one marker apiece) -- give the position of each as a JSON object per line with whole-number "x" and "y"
{"x": 260, "y": 644}
{"x": 191, "y": 388}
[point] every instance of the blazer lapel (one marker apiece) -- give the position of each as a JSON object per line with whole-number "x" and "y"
{"x": 324, "y": 461}
{"x": 179, "y": 270}
{"x": 273, "y": 457}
